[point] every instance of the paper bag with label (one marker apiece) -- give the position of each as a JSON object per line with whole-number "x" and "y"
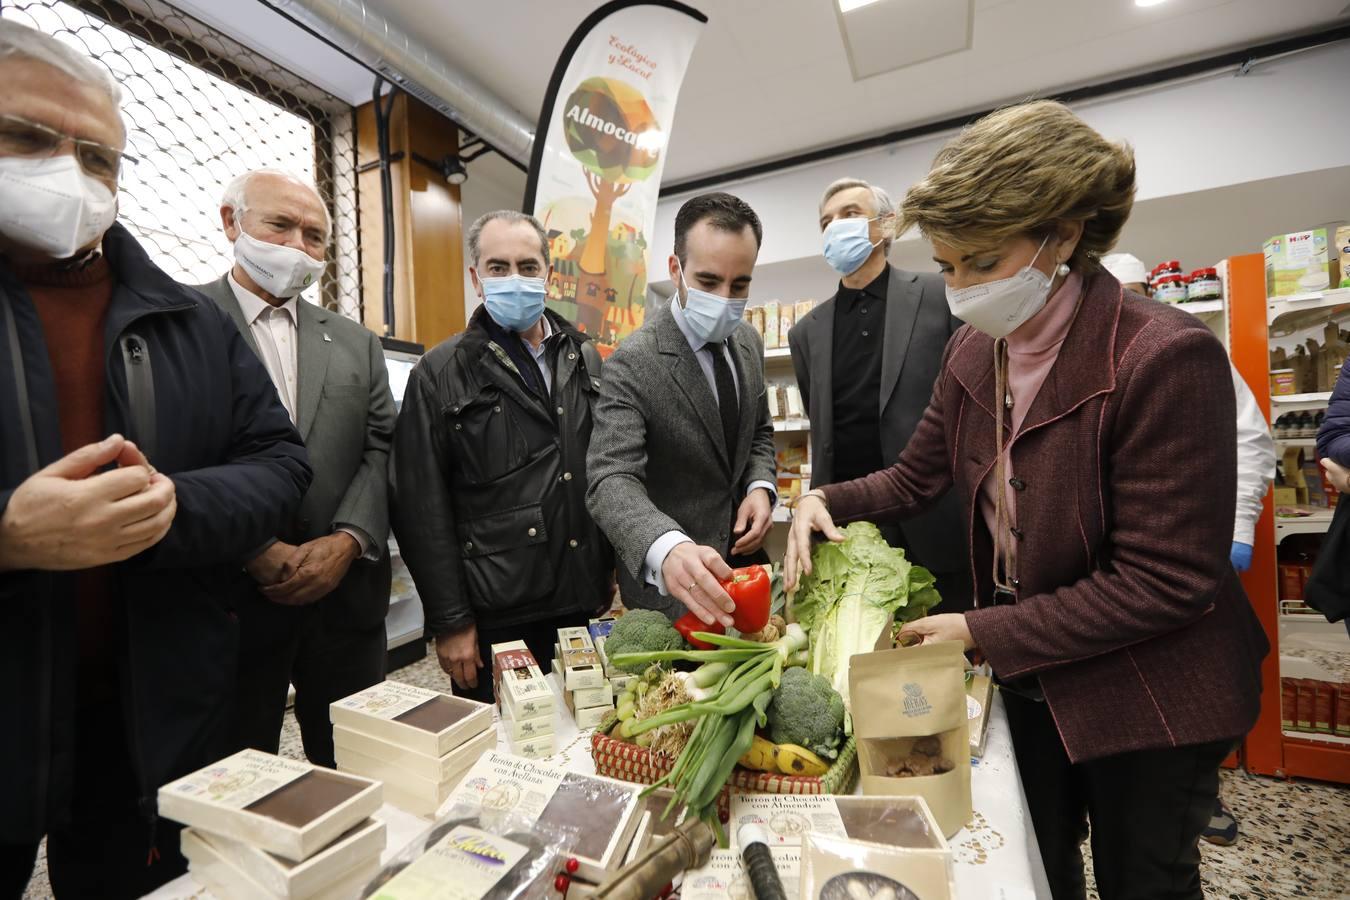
{"x": 909, "y": 717}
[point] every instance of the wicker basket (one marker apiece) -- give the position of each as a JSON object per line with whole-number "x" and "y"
{"x": 618, "y": 759}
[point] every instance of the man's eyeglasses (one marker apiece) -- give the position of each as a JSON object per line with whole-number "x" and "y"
{"x": 21, "y": 137}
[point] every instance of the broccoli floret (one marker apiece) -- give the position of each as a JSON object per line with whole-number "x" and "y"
{"x": 807, "y": 712}
{"x": 641, "y": 631}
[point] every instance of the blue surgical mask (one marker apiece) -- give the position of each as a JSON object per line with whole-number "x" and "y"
{"x": 514, "y": 302}
{"x": 711, "y": 318}
{"x": 848, "y": 244}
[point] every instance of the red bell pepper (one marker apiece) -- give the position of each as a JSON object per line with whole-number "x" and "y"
{"x": 688, "y": 623}
{"x": 751, "y": 591}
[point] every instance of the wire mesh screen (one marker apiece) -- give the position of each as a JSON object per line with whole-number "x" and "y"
{"x": 201, "y": 109}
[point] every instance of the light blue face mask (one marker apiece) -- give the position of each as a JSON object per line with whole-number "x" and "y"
{"x": 711, "y": 318}
{"x": 514, "y": 302}
{"x": 848, "y": 244}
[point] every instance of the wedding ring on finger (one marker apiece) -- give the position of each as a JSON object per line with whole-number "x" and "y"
{"x": 693, "y": 585}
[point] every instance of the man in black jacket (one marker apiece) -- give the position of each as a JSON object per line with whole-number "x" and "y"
{"x": 489, "y": 466}
{"x": 866, "y": 360}
{"x": 120, "y": 562}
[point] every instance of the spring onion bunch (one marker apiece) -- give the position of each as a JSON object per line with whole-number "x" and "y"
{"x": 731, "y": 694}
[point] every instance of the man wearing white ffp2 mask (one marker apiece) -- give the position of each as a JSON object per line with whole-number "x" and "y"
{"x": 317, "y": 616}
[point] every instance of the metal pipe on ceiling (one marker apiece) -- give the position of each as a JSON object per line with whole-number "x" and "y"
{"x": 363, "y": 33}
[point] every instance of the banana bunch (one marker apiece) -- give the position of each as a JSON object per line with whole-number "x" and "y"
{"x": 788, "y": 759}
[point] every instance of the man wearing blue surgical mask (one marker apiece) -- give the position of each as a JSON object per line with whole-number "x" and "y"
{"x": 489, "y": 466}
{"x": 866, "y": 360}
{"x": 682, "y": 466}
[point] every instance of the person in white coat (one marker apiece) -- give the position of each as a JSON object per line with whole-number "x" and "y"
{"x": 1256, "y": 469}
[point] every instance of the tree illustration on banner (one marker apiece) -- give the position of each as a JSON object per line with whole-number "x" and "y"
{"x": 614, "y": 135}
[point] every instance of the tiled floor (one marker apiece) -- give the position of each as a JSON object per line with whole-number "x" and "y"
{"x": 1295, "y": 835}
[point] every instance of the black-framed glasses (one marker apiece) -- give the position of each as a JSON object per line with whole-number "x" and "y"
{"x": 25, "y": 138}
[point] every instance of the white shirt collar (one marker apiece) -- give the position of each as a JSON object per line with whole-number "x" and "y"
{"x": 695, "y": 343}
{"x": 254, "y": 306}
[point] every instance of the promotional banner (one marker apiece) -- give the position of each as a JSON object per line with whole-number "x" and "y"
{"x": 595, "y": 172}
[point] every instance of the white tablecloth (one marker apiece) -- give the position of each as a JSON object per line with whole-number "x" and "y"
{"x": 996, "y": 854}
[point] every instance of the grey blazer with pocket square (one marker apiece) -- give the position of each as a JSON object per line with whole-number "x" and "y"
{"x": 658, "y": 460}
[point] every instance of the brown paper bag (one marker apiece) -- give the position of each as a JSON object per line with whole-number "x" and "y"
{"x": 913, "y": 733}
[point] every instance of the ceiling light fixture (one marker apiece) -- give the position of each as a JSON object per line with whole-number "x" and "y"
{"x": 848, "y": 6}
{"x": 1147, "y": 3}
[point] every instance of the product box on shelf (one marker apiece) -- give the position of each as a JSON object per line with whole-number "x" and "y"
{"x": 1297, "y": 263}
{"x": 433, "y": 768}
{"x": 600, "y": 628}
{"x": 787, "y": 317}
{"x": 522, "y": 689}
{"x": 804, "y": 308}
{"x": 1343, "y": 254}
{"x": 755, "y": 316}
{"x": 223, "y": 874}
{"x": 526, "y": 729}
{"x": 771, "y": 324}
{"x": 283, "y": 806}
{"x": 771, "y": 394}
{"x": 795, "y": 408}
{"x": 1282, "y": 382}
{"x": 599, "y": 814}
{"x": 403, "y": 788}
{"x": 424, "y": 721}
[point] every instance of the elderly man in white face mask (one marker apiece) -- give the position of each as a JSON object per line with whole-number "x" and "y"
{"x": 143, "y": 458}
{"x": 317, "y": 616}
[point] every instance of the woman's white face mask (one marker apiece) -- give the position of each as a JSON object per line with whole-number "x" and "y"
{"x": 999, "y": 307}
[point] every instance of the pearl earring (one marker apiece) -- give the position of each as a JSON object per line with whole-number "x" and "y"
{"x": 1063, "y": 269}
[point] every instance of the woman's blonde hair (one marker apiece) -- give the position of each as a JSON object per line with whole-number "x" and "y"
{"x": 1020, "y": 171}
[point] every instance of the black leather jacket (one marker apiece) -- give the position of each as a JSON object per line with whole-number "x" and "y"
{"x": 489, "y": 483}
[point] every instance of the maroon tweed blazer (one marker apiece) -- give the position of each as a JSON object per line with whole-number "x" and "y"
{"x": 1127, "y": 609}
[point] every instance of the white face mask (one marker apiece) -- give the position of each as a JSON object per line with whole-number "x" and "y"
{"x": 281, "y": 271}
{"x": 998, "y": 308}
{"x": 52, "y": 205}
{"x": 711, "y": 318}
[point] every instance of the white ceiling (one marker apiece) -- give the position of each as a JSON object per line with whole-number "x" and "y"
{"x": 770, "y": 78}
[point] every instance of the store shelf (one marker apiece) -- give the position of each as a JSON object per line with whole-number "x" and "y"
{"x": 1296, "y": 442}
{"x": 1202, "y": 307}
{"x": 791, "y": 426}
{"x": 1283, "y": 403}
{"x": 778, "y": 354}
{"x": 1316, "y": 522}
{"x": 1317, "y": 738}
{"x": 1300, "y": 305}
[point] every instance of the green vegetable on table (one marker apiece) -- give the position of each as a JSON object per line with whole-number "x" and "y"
{"x": 726, "y": 717}
{"x": 854, "y": 592}
{"x": 806, "y": 711}
{"x": 640, "y": 631}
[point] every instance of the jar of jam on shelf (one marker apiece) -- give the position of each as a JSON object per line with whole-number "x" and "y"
{"x": 1204, "y": 285}
{"x": 1170, "y": 288}
{"x": 1171, "y": 267}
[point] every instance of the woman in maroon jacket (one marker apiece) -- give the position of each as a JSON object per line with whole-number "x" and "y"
{"x": 1099, "y": 533}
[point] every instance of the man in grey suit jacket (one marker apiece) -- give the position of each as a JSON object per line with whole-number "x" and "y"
{"x": 323, "y": 585}
{"x": 866, "y": 360}
{"x": 681, "y": 463}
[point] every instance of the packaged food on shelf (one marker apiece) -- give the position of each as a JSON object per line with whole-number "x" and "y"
{"x": 522, "y": 689}
{"x": 228, "y": 878}
{"x": 1170, "y": 267}
{"x": 755, "y": 316}
{"x": 1343, "y": 254}
{"x": 1170, "y": 289}
{"x": 1297, "y": 263}
{"x": 541, "y": 747}
{"x": 771, "y": 323}
{"x": 1342, "y": 710}
{"x": 528, "y": 728}
{"x": 1204, "y": 284}
{"x": 787, "y": 317}
{"x": 435, "y": 768}
{"x": 582, "y": 669}
{"x": 1288, "y": 703}
{"x": 804, "y": 308}
{"x": 600, "y": 628}
{"x": 1282, "y": 383}
{"x": 1307, "y": 701}
{"x": 1324, "y": 707}
{"x": 577, "y": 638}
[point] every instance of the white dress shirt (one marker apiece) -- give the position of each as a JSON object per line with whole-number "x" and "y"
{"x": 1256, "y": 462}
{"x": 661, "y": 547}
{"x": 276, "y": 331}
